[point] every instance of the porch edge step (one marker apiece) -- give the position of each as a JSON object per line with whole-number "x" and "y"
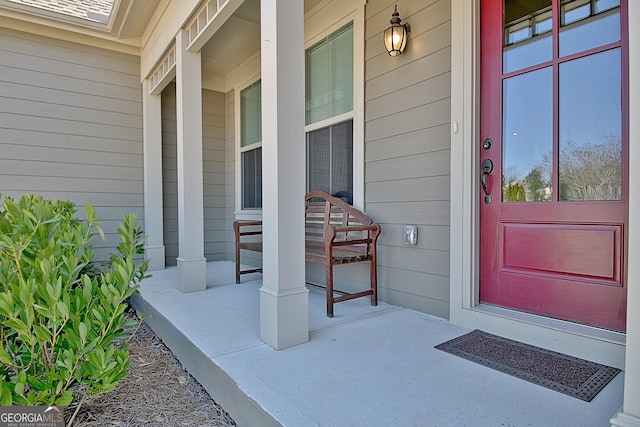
{"x": 236, "y": 395}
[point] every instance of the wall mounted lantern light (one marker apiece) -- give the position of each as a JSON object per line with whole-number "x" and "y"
{"x": 395, "y": 37}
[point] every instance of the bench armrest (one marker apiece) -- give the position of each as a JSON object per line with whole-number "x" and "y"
{"x": 241, "y": 223}
{"x": 348, "y": 228}
{"x": 331, "y": 233}
{"x": 237, "y": 225}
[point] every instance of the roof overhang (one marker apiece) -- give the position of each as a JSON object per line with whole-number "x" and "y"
{"x": 119, "y": 21}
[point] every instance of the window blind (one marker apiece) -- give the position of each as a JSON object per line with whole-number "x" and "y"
{"x": 329, "y": 69}
{"x": 251, "y": 114}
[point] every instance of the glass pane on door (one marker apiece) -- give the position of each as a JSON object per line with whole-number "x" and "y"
{"x": 587, "y": 24}
{"x": 590, "y": 155}
{"x": 527, "y": 137}
{"x": 527, "y": 34}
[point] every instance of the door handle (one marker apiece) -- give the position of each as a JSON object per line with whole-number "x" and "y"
{"x": 487, "y": 168}
{"x": 483, "y": 179}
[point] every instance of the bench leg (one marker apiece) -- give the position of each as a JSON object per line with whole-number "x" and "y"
{"x": 329, "y": 289}
{"x": 237, "y": 263}
{"x": 374, "y": 282}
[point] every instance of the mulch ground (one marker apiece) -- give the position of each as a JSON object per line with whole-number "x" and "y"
{"x": 157, "y": 391}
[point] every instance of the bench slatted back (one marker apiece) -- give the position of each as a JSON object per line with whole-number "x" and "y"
{"x": 321, "y": 209}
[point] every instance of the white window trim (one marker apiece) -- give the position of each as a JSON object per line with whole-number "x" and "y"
{"x": 241, "y": 213}
{"x": 329, "y": 122}
{"x": 357, "y": 114}
{"x": 356, "y": 15}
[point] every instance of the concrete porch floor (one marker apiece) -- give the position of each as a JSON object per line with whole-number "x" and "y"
{"x": 368, "y": 366}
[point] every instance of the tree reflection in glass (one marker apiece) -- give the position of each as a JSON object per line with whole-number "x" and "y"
{"x": 527, "y": 137}
{"x": 527, "y": 34}
{"x": 590, "y": 157}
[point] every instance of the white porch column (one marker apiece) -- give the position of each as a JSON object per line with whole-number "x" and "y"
{"x": 630, "y": 414}
{"x": 152, "y": 148}
{"x": 284, "y": 305}
{"x": 191, "y": 260}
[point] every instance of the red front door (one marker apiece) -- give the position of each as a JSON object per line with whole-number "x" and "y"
{"x": 553, "y": 158}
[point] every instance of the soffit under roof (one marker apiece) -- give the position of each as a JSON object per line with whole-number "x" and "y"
{"x": 125, "y": 21}
{"x": 92, "y": 10}
{"x": 237, "y": 40}
{"x": 122, "y": 21}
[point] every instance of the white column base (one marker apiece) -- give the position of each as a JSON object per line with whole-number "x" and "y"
{"x": 155, "y": 256}
{"x": 192, "y": 275}
{"x": 625, "y": 420}
{"x": 284, "y": 317}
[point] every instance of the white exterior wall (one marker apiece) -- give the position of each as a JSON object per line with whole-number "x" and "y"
{"x": 71, "y": 127}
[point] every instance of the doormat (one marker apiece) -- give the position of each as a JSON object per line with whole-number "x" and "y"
{"x": 569, "y": 375}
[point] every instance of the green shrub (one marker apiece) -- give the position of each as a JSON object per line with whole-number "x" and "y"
{"x": 62, "y": 318}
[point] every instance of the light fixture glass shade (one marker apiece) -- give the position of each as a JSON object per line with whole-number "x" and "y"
{"x": 395, "y": 37}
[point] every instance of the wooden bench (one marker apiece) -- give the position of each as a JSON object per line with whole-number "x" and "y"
{"x": 254, "y": 229}
{"x": 335, "y": 233}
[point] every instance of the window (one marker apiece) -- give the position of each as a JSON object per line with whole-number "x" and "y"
{"x": 251, "y": 146}
{"x": 329, "y": 113}
{"x": 574, "y": 152}
{"x": 330, "y": 160}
